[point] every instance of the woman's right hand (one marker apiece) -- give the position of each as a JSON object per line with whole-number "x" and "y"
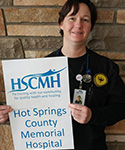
{"x": 4, "y": 110}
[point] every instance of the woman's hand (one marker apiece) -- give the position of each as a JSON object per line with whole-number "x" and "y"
{"x": 4, "y": 110}
{"x": 80, "y": 113}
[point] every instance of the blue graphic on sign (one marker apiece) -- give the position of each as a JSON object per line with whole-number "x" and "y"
{"x": 49, "y": 79}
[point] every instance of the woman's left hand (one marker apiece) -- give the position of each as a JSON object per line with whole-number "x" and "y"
{"x": 80, "y": 113}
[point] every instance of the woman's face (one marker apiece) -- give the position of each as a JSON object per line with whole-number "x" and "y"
{"x": 77, "y": 28}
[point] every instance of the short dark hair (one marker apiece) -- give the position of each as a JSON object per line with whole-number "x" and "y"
{"x": 68, "y": 6}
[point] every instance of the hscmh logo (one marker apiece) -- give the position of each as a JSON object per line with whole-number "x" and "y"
{"x": 49, "y": 79}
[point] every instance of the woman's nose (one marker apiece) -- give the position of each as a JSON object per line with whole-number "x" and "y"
{"x": 78, "y": 23}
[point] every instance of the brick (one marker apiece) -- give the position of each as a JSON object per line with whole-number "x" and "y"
{"x": 121, "y": 16}
{"x": 31, "y": 14}
{"x": 45, "y": 43}
{"x": 103, "y": 31}
{"x": 1, "y": 78}
{"x": 113, "y": 55}
{"x": 2, "y": 28}
{"x": 118, "y": 128}
{"x": 6, "y": 142}
{"x": 116, "y": 145}
{"x": 109, "y": 3}
{"x": 33, "y": 30}
{"x": 121, "y": 67}
{"x": 114, "y": 43}
{"x": 98, "y": 3}
{"x": 115, "y": 138}
{"x": 10, "y": 48}
{"x": 121, "y": 146}
{"x": 39, "y": 2}
{"x": 112, "y": 145}
{"x": 36, "y": 54}
{"x": 123, "y": 78}
{"x": 107, "y": 38}
{"x": 2, "y": 97}
{"x": 6, "y": 2}
{"x": 105, "y": 16}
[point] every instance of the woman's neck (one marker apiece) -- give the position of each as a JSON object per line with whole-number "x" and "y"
{"x": 73, "y": 50}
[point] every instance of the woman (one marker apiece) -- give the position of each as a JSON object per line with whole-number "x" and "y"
{"x": 88, "y": 72}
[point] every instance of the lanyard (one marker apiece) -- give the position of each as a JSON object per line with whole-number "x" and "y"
{"x": 87, "y": 64}
{"x": 87, "y": 61}
{"x": 87, "y": 78}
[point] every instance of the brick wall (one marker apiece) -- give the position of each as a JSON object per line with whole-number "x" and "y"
{"x": 29, "y": 29}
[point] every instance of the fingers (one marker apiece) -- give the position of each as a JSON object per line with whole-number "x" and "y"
{"x": 4, "y": 118}
{"x": 4, "y": 110}
{"x": 75, "y": 109}
{"x": 80, "y": 113}
{"x": 4, "y": 107}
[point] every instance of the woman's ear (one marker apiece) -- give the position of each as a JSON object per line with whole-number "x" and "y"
{"x": 61, "y": 25}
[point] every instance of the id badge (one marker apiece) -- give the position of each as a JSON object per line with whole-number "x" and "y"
{"x": 79, "y": 96}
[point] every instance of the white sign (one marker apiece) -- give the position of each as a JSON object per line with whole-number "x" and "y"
{"x": 38, "y": 91}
